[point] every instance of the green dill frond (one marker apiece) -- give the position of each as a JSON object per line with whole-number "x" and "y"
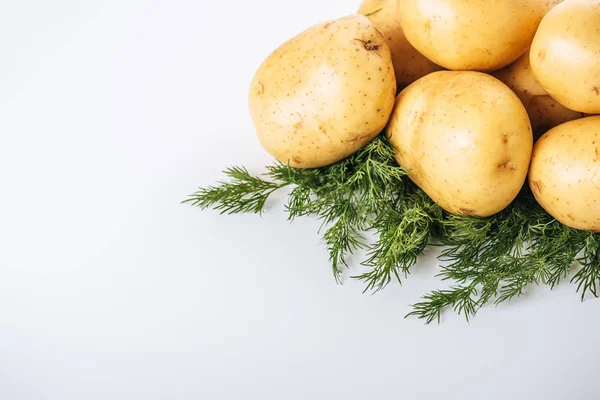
{"x": 496, "y": 259}
{"x": 403, "y": 232}
{"x": 587, "y": 278}
{"x": 373, "y": 12}
{"x": 459, "y": 298}
{"x": 342, "y": 239}
{"x": 485, "y": 260}
{"x": 243, "y": 193}
{"x": 347, "y": 196}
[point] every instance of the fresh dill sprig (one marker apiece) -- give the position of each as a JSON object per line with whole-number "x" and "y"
{"x": 242, "y": 194}
{"x": 485, "y": 260}
{"x": 373, "y": 12}
{"x": 588, "y": 277}
{"x": 496, "y": 259}
{"x": 403, "y": 230}
{"x": 350, "y": 197}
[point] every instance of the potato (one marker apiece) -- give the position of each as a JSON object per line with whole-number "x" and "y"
{"x": 550, "y": 4}
{"x": 544, "y": 112}
{"x": 565, "y": 55}
{"x": 409, "y": 64}
{"x": 565, "y": 173}
{"x": 324, "y": 94}
{"x": 480, "y": 35}
{"x": 466, "y": 139}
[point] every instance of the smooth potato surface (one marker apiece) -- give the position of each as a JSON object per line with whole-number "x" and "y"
{"x": 480, "y": 35}
{"x": 565, "y": 55}
{"x": 544, "y": 112}
{"x": 466, "y": 138}
{"x": 409, "y": 64}
{"x": 324, "y": 94}
{"x": 565, "y": 173}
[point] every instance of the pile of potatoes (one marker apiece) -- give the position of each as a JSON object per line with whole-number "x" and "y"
{"x": 479, "y": 83}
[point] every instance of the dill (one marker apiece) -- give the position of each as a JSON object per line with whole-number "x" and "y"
{"x": 496, "y": 259}
{"x": 486, "y": 260}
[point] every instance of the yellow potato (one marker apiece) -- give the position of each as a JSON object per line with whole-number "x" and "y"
{"x": 544, "y": 112}
{"x": 565, "y": 55}
{"x": 550, "y": 4}
{"x": 466, "y": 139}
{"x": 409, "y": 64}
{"x": 565, "y": 173}
{"x": 479, "y": 35}
{"x": 324, "y": 94}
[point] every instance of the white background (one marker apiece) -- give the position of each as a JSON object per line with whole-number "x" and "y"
{"x": 111, "y": 112}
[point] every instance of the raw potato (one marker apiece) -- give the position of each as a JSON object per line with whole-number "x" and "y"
{"x": 480, "y": 35}
{"x": 565, "y": 54}
{"x": 544, "y": 112}
{"x": 550, "y": 4}
{"x": 565, "y": 173}
{"x": 466, "y": 138}
{"x": 409, "y": 64}
{"x": 324, "y": 94}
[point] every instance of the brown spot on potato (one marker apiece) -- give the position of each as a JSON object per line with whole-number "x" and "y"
{"x": 597, "y": 90}
{"x": 504, "y": 138}
{"x": 571, "y": 217}
{"x": 260, "y": 89}
{"x": 358, "y": 138}
{"x": 597, "y": 154}
{"x": 541, "y": 55}
{"x": 537, "y": 187}
{"x": 299, "y": 123}
{"x": 297, "y": 160}
{"x": 323, "y": 130}
{"x": 427, "y": 28}
{"x": 369, "y": 45}
{"x": 466, "y": 211}
{"x": 379, "y": 32}
{"x": 507, "y": 165}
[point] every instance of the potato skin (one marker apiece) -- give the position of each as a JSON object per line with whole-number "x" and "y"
{"x": 565, "y": 173}
{"x": 550, "y": 4}
{"x": 324, "y": 94}
{"x": 478, "y": 35}
{"x": 544, "y": 112}
{"x": 409, "y": 64}
{"x": 466, "y": 139}
{"x": 565, "y": 55}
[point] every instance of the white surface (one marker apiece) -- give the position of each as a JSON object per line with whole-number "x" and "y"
{"x": 110, "y": 113}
